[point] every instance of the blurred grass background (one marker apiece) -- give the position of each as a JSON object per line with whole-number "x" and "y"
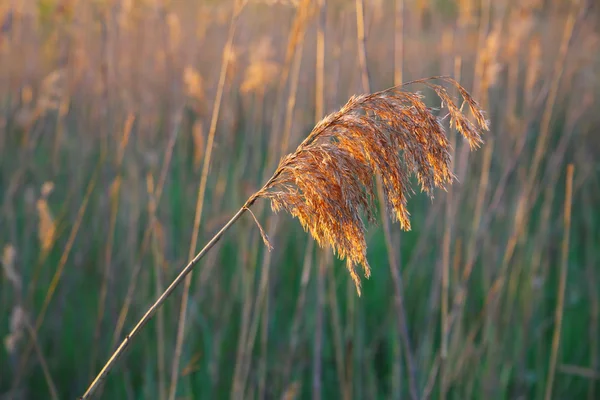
{"x": 110, "y": 111}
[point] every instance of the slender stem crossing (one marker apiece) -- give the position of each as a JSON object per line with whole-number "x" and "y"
{"x": 152, "y": 310}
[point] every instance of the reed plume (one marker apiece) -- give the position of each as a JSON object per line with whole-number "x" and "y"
{"x": 329, "y": 181}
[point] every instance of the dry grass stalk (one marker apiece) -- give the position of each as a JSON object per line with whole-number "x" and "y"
{"x": 228, "y": 61}
{"x": 58, "y": 273}
{"x": 562, "y": 283}
{"x": 329, "y": 180}
{"x": 290, "y": 69}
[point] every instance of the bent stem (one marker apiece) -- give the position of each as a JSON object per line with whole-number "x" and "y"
{"x": 158, "y": 303}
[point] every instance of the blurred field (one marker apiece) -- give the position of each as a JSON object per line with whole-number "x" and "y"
{"x": 110, "y": 111}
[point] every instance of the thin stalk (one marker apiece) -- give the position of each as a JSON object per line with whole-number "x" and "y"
{"x": 247, "y": 275}
{"x": 510, "y": 108}
{"x": 248, "y": 334}
{"x": 43, "y": 363}
{"x": 349, "y": 340}
{"x": 559, "y": 67}
{"x": 262, "y": 378}
{"x": 320, "y": 64}
{"x": 459, "y": 299}
{"x": 391, "y": 252}
{"x": 484, "y": 24}
{"x": 398, "y": 77}
{"x": 583, "y": 372}
{"x": 200, "y": 200}
{"x": 393, "y": 264}
{"x": 240, "y": 388}
{"x": 424, "y": 241}
{"x": 562, "y": 283}
{"x": 432, "y": 378}
{"x": 445, "y": 266}
{"x": 500, "y": 187}
{"x": 217, "y": 201}
{"x": 220, "y": 341}
{"x": 542, "y": 139}
{"x": 264, "y": 339}
{"x": 594, "y": 300}
{"x": 291, "y": 101}
{"x": 361, "y": 39}
{"x": 114, "y": 207}
{"x": 263, "y": 295}
{"x": 478, "y": 92}
{"x": 299, "y": 309}
{"x": 292, "y": 60}
{"x": 107, "y": 264}
{"x": 158, "y": 288}
{"x": 337, "y": 335}
{"x": 147, "y": 234}
{"x": 536, "y": 271}
{"x": 59, "y": 270}
{"x": 372, "y": 392}
{"x": 400, "y": 310}
{"x": 152, "y": 310}
{"x": 359, "y": 351}
{"x": 396, "y": 370}
{"x": 475, "y": 228}
{"x": 552, "y": 175}
{"x": 524, "y": 203}
{"x": 317, "y": 366}
{"x": 354, "y": 319}
{"x": 324, "y": 260}
{"x": 399, "y": 42}
{"x": 336, "y": 323}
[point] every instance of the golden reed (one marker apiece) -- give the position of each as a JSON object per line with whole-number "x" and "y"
{"x": 329, "y": 181}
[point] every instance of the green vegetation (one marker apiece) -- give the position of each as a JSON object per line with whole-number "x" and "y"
{"x": 107, "y": 117}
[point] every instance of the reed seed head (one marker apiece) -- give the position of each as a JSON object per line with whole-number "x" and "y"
{"x": 328, "y": 183}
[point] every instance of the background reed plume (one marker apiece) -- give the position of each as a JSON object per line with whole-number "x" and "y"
{"x": 330, "y": 179}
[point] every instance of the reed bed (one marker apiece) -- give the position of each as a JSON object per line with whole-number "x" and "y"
{"x": 131, "y": 132}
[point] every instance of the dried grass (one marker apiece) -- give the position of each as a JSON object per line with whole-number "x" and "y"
{"x": 328, "y": 183}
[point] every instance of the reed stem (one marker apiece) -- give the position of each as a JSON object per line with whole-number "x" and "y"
{"x": 152, "y": 310}
{"x": 562, "y": 283}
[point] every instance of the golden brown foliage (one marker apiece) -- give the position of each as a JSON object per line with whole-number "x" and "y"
{"x": 329, "y": 181}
